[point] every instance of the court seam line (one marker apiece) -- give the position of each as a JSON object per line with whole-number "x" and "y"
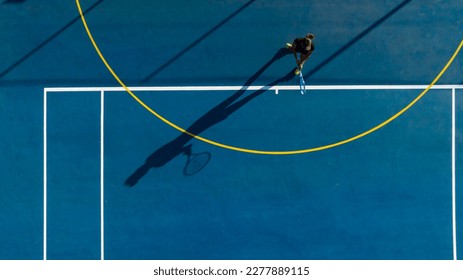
{"x": 255, "y": 151}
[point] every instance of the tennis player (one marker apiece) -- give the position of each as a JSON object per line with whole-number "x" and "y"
{"x": 305, "y": 47}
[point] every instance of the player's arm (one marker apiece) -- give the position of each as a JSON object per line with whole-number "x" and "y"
{"x": 293, "y": 49}
{"x": 304, "y": 57}
{"x": 295, "y": 55}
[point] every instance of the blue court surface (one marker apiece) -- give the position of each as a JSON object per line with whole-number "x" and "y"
{"x": 88, "y": 173}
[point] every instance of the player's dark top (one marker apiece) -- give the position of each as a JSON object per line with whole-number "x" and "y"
{"x": 300, "y": 45}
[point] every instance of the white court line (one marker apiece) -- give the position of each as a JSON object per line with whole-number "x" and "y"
{"x": 227, "y": 88}
{"x": 102, "y": 173}
{"x": 454, "y": 218}
{"x": 45, "y": 171}
{"x": 230, "y": 88}
{"x": 44, "y": 174}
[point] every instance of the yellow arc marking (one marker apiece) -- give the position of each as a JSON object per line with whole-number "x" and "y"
{"x": 262, "y": 152}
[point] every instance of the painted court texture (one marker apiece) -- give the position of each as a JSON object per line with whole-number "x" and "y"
{"x": 87, "y": 172}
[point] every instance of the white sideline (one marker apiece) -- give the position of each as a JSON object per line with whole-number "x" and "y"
{"x": 45, "y": 180}
{"x": 454, "y": 216}
{"x": 102, "y": 175}
{"x": 231, "y": 88}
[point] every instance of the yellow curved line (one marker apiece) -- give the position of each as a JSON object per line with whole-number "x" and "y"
{"x": 244, "y": 150}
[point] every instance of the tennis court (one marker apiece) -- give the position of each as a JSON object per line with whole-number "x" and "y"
{"x": 212, "y": 152}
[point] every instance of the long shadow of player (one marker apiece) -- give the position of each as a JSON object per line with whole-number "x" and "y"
{"x": 217, "y": 114}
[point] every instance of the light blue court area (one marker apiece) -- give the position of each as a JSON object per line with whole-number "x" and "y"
{"x": 88, "y": 173}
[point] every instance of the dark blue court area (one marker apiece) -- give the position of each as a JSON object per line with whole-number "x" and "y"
{"x": 88, "y": 174}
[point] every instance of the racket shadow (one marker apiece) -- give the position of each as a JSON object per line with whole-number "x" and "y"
{"x": 195, "y": 161}
{"x": 219, "y": 113}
